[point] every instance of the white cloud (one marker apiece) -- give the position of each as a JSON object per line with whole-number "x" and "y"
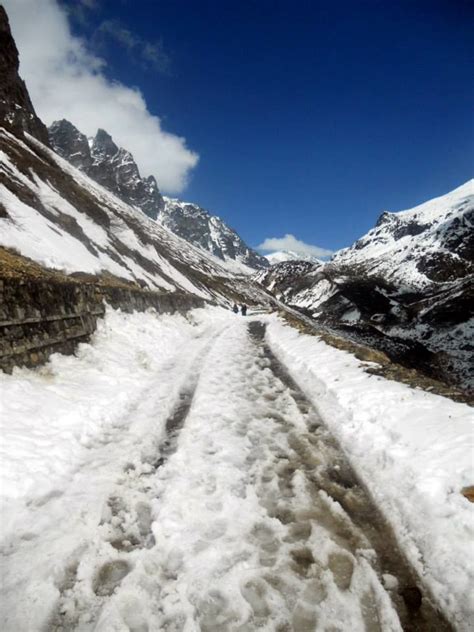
{"x": 66, "y": 80}
{"x": 289, "y": 242}
{"x": 151, "y": 54}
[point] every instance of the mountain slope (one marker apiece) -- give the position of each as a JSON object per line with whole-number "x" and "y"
{"x": 54, "y": 214}
{"x": 431, "y": 243}
{"x": 405, "y": 287}
{"x": 196, "y": 225}
{"x": 115, "y": 169}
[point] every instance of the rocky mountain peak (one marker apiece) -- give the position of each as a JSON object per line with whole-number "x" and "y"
{"x": 209, "y": 232}
{"x": 70, "y": 143}
{"x": 103, "y": 145}
{"x": 115, "y": 169}
{"x": 111, "y": 166}
{"x": 16, "y": 110}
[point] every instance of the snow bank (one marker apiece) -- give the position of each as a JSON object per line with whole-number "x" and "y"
{"x": 413, "y": 450}
{"x": 50, "y": 417}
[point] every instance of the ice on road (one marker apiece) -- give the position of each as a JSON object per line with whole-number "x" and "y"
{"x": 229, "y": 507}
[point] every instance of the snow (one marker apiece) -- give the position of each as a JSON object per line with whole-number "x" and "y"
{"x": 73, "y": 401}
{"x": 397, "y": 259}
{"x": 414, "y": 451}
{"x": 100, "y": 532}
{"x": 430, "y": 211}
{"x": 48, "y": 244}
{"x": 97, "y": 536}
{"x": 289, "y": 255}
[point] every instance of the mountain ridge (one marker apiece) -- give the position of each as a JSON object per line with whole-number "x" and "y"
{"x": 114, "y": 168}
{"x": 406, "y": 287}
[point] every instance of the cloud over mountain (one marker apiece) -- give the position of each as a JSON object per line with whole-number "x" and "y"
{"x": 65, "y": 79}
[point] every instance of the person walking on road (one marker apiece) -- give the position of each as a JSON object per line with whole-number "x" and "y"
{"x": 243, "y": 310}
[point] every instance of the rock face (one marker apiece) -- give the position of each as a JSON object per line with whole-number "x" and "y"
{"x": 406, "y": 287}
{"x": 290, "y": 279}
{"x": 16, "y": 110}
{"x": 109, "y": 165}
{"x": 115, "y": 169}
{"x": 196, "y": 225}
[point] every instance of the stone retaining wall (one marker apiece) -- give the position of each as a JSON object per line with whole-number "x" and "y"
{"x": 41, "y": 317}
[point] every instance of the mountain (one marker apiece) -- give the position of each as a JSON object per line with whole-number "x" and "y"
{"x": 111, "y": 166}
{"x": 55, "y": 215}
{"x": 432, "y": 243}
{"x": 114, "y": 168}
{"x": 405, "y": 287}
{"x": 209, "y": 232}
{"x": 57, "y": 222}
{"x": 16, "y": 110}
{"x": 289, "y": 255}
{"x": 288, "y": 279}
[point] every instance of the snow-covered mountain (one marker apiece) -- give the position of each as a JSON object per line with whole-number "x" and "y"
{"x": 209, "y": 232}
{"x": 287, "y": 278}
{"x": 57, "y": 216}
{"x": 114, "y": 168}
{"x": 289, "y": 255}
{"x": 405, "y": 287}
{"x": 431, "y": 243}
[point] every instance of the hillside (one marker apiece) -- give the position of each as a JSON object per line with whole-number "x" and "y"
{"x": 115, "y": 169}
{"x": 54, "y": 214}
{"x": 406, "y": 287}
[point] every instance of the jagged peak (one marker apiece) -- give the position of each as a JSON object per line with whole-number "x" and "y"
{"x": 104, "y": 143}
{"x": 63, "y": 124}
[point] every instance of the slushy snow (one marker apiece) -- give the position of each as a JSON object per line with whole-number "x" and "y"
{"x": 149, "y": 483}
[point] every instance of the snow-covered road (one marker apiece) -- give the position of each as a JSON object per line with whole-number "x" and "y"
{"x": 217, "y": 501}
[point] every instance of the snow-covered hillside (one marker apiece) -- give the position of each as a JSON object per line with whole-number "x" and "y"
{"x": 56, "y": 215}
{"x": 210, "y": 233}
{"x": 431, "y": 243}
{"x": 406, "y": 287}
{"x": 114, "y": 168}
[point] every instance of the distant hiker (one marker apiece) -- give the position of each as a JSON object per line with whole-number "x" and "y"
{"x": 243, "y": 309}
{"x": 235, "y": 309}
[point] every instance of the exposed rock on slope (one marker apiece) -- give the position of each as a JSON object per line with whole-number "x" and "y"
{"x": 16, "y": 110}
{"x": 109, "y": 165}
{"x": 406, "y": 287}
{"x": 429, "y": 244}
{"x": 115, "y": 169}
{"x": 56, "y": 215}
{"x": 289, "y": 278}
{"x": 196, "y": 225}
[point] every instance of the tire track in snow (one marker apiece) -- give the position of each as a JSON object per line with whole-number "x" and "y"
{"x": 252, "y": 521}
{"x": 125, "y": 526}
{"x": 343, "y": 508}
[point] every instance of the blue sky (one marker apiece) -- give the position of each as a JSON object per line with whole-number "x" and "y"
{"x": 309, "y": 118}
